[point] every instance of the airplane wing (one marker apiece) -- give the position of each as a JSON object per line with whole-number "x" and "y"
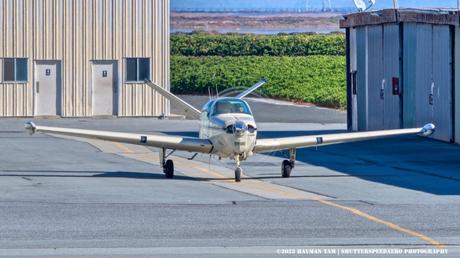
{"x": 251, "y": 89}
{"x": 159, "y": 141}
{"x": 274, "y": 144}
{"x": 189, "y": 109}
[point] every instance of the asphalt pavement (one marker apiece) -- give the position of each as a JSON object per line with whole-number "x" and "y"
{"x": 66, "y": 197}
{"x": 277, "y": 111}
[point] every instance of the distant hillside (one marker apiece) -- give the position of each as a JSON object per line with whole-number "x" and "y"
{"x": 295, "y": 5}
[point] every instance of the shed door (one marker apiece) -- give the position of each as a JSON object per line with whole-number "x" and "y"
{"x": 375, "y": 79}
{"x": 47, "y": 86}
{"x": 361, "y": 77}
{"x": 104, "y": 88}
{"x": 353, "y": 79}
{"x": 442, "y": 81}
{"x": 392, "y": 117}
{"x": 423, "y": 74}
{"x": 433, "y": 79}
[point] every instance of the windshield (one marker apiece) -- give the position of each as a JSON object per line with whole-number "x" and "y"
{"x": 231, "y": 106}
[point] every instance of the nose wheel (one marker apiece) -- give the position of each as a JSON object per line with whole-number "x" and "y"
{"x": 238, "y": 172}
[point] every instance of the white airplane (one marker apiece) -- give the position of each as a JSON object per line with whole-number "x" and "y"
{"x": 227, "y": 130}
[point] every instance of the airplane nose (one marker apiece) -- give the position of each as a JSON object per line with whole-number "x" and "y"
{"x": 239, "y": 127}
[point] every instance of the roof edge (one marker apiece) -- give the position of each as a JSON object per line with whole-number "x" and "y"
{"x": 401, "y": 15}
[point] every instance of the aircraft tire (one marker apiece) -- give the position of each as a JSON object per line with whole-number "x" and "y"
{"x": 168, "y": 169}
{"x": 238, "y": 172}
{"x": 286, "y": 168}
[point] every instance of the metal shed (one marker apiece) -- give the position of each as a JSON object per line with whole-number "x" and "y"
{"x": 77, "y": 58}
{"x": 401, "y": 70}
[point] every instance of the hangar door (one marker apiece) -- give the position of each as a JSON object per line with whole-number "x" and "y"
{"x": 378, "y": 77}
{"x": 433, "y": 79}
{"x": 47, "y": 87}
{"x": 104, "y": 82}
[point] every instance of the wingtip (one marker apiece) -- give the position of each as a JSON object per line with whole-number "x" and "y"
{"x": 428, "y": 129}
{"x": 31, "y": 127}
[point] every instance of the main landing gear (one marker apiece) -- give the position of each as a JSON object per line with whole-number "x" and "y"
{"x": 168, "y": 168}
{"x": 288, "y": 165}
{"x": 167, "y": 165}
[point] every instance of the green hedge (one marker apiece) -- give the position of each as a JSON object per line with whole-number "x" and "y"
{"x": 205, "y": 44}
{"x": 313, "y": 79}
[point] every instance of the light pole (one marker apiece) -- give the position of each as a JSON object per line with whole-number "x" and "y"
{"x": 396, "y": 4}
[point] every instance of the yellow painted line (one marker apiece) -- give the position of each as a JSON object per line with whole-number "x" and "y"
{"x": 391, "y": 225}
{"x": 122, "y": 147}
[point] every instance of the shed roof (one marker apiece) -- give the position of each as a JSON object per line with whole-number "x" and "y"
{"x": 442, "y": 17}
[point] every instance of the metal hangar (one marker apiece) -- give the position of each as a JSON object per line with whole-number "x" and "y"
{"x": 83, "y": 58}
{"x": 402, "y": 70}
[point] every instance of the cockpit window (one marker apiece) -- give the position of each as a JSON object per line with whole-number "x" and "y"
{"x": 231, "y": 106}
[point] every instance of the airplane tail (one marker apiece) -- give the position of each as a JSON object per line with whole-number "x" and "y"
{"x": 251, "y": 89}
{"x": 189, "y": 109}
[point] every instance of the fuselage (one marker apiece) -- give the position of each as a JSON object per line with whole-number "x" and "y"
{"x": 229, "y": 124}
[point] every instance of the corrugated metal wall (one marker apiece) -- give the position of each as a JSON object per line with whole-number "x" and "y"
{"x": 428, "y": 78}
{"x": 76, "y": 32}
{"x": 442, "y": 82}
{"x": 457, "y": 84}
{"x": 378, "y": 62}
{"x": 391, "y": 71}
{"x": 420, "y": 57}
{"x": 353, "y": 67}
{"x": 375, "y": 78}
{"x": 361, "y": 81}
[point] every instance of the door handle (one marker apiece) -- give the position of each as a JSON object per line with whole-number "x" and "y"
{"x": 382, "y": 90}
{"x": 37, "y": 87}
{"x": 431, "y": 96}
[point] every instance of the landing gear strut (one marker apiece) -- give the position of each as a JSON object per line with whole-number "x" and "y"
{"x": 288, "y": 165}
{"x": 167, "y": 165}
{"x": 238, "y": 170}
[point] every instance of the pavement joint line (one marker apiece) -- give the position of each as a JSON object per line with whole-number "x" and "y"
{"x": 261, "y": 185}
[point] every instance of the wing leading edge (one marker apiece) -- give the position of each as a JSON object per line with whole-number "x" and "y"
{"x": 159, "y": 141}
{"x": 274, "y": 144}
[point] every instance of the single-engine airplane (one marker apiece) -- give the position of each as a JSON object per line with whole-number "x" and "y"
{"x": 227, "y": 130}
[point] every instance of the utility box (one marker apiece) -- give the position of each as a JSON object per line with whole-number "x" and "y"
{"x": 401, "y": 70}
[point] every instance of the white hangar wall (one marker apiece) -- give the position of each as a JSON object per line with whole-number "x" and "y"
{"x": 62, "y": 56}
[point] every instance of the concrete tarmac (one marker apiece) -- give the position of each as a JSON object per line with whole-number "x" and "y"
{"x": 79, "y": 198}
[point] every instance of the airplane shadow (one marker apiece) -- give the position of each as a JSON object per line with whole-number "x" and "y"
{"x": 89, "y": 174}
{"x": 410, "y": 162}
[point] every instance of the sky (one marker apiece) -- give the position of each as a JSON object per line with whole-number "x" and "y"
{"x": 220, "y": 5}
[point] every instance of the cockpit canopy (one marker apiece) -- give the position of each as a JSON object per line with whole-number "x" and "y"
{"x": 229, "y": 105}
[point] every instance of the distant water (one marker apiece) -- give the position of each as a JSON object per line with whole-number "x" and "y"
{"x": 266, "y": 31}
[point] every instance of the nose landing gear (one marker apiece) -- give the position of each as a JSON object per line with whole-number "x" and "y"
{"x": 238, "y": 170}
